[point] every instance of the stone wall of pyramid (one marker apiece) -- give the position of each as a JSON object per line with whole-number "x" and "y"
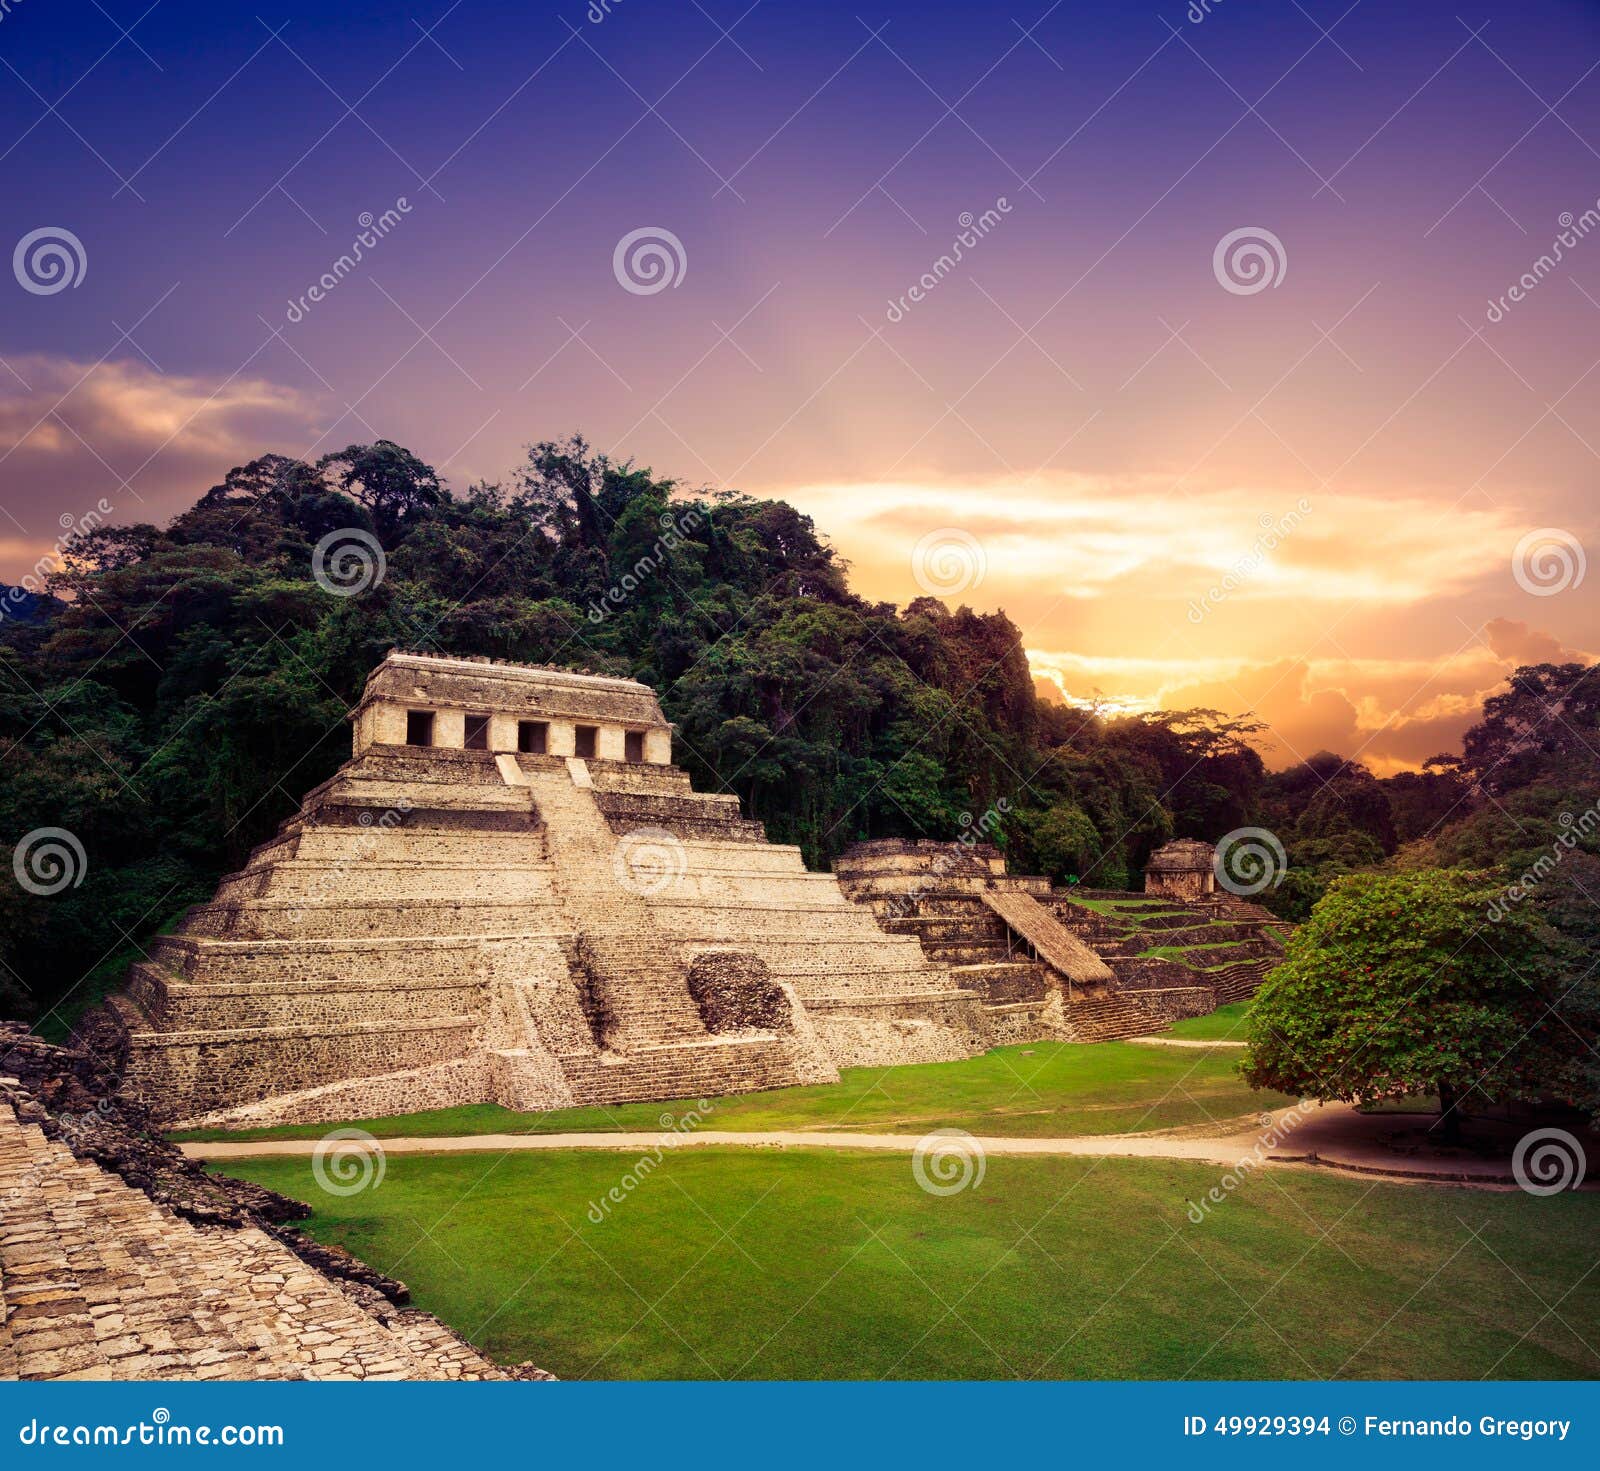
{"x": 441, "y": 924}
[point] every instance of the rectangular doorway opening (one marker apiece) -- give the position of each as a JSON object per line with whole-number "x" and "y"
{"x": 477, "y": 733}
{"x": 419, "y": 727}
{"x": 633, "y": 746}
{"x": 533, "y": 737}
{"x": 584, "y": 738}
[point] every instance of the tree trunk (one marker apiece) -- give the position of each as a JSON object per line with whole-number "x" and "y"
{"x": 1449, "y": 1126}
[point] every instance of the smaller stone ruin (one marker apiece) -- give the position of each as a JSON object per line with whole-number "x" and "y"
{"x": 1185, "y": 869}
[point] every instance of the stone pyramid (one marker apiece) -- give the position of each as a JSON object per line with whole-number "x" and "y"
{"x": 509, "y": 894}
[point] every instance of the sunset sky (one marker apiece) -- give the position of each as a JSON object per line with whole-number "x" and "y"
{"x": 1078, "y": 422}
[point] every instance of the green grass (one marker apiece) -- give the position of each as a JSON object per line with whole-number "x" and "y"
{"x": 1127, "y": 908}
{"x": 1181, "y": 952}
{"x": 1037, "y": 1089}
{"x": 1226, "y": 1023}
{"x": 811, "y": 1264}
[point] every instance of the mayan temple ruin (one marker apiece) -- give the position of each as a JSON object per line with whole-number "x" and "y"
{"x": 510, "y": 894}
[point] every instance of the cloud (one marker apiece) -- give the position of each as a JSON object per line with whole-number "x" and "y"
{"x": 148, "y": 443}
{"x": 1214, "y": 587}
{"x": 1090, "y": 537}
{"x": 1514, "y": 640}
{"x": 1390, "y": 713}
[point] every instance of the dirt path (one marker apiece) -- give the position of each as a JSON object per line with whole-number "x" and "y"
{"x": 1185, "y": 1042}
{"x": 1329, "y": 1136}
{"x": 1215, "y": 1150}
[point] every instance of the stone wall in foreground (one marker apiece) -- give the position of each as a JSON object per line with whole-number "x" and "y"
{"x": 120, "y": 1259}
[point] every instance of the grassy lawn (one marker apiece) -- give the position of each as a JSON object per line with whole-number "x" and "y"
{"x": 812, "y": 1264}
{"x": 1037, "y": 1089}
{"x": 1226, "y": 1024}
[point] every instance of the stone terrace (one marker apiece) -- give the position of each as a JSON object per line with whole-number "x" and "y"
{"x": 180, "y": 1276}
{"x": 1131, "y": 963}
{"x": 1184, "y": 957}
{"x": 950, "y": 896}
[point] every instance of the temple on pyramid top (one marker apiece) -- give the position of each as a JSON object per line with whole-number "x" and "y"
{"x": 436, "y": 700}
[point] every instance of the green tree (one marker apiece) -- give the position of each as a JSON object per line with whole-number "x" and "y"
{"x": 1062, "y": 841}
{"x": 1403, "y": 984}
{"x": 391, "y": 482}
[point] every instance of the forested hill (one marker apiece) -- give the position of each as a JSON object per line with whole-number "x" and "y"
{"x": 185, "y": 685}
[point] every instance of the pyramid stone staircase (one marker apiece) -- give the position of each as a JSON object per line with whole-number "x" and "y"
{"x": 1227, "y": 945}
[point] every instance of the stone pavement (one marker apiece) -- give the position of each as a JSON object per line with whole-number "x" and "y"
{"x": 120, "y": 1259}
{"x": 97, "y": 1281}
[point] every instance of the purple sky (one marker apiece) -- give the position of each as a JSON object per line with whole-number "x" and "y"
{"x": 1307, "y": 500}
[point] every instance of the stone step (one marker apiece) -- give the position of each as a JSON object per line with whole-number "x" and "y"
{"x": 974, "y": 952}
{"x": 738, "y": 925}
{"x": 1006, "y": 981}
{"x": 173, "y": 1005}
{"x": 979, "y": 924}
{"x": 299, "y": 879}
{"x": 636, "y": 983}
{"x": 397, "y": 960}
{"x": 1107, "y": 1018}
{"x": 815, "y": 954}
{"x": 338, "y": 919}
{"x": 695, "y": 1071}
